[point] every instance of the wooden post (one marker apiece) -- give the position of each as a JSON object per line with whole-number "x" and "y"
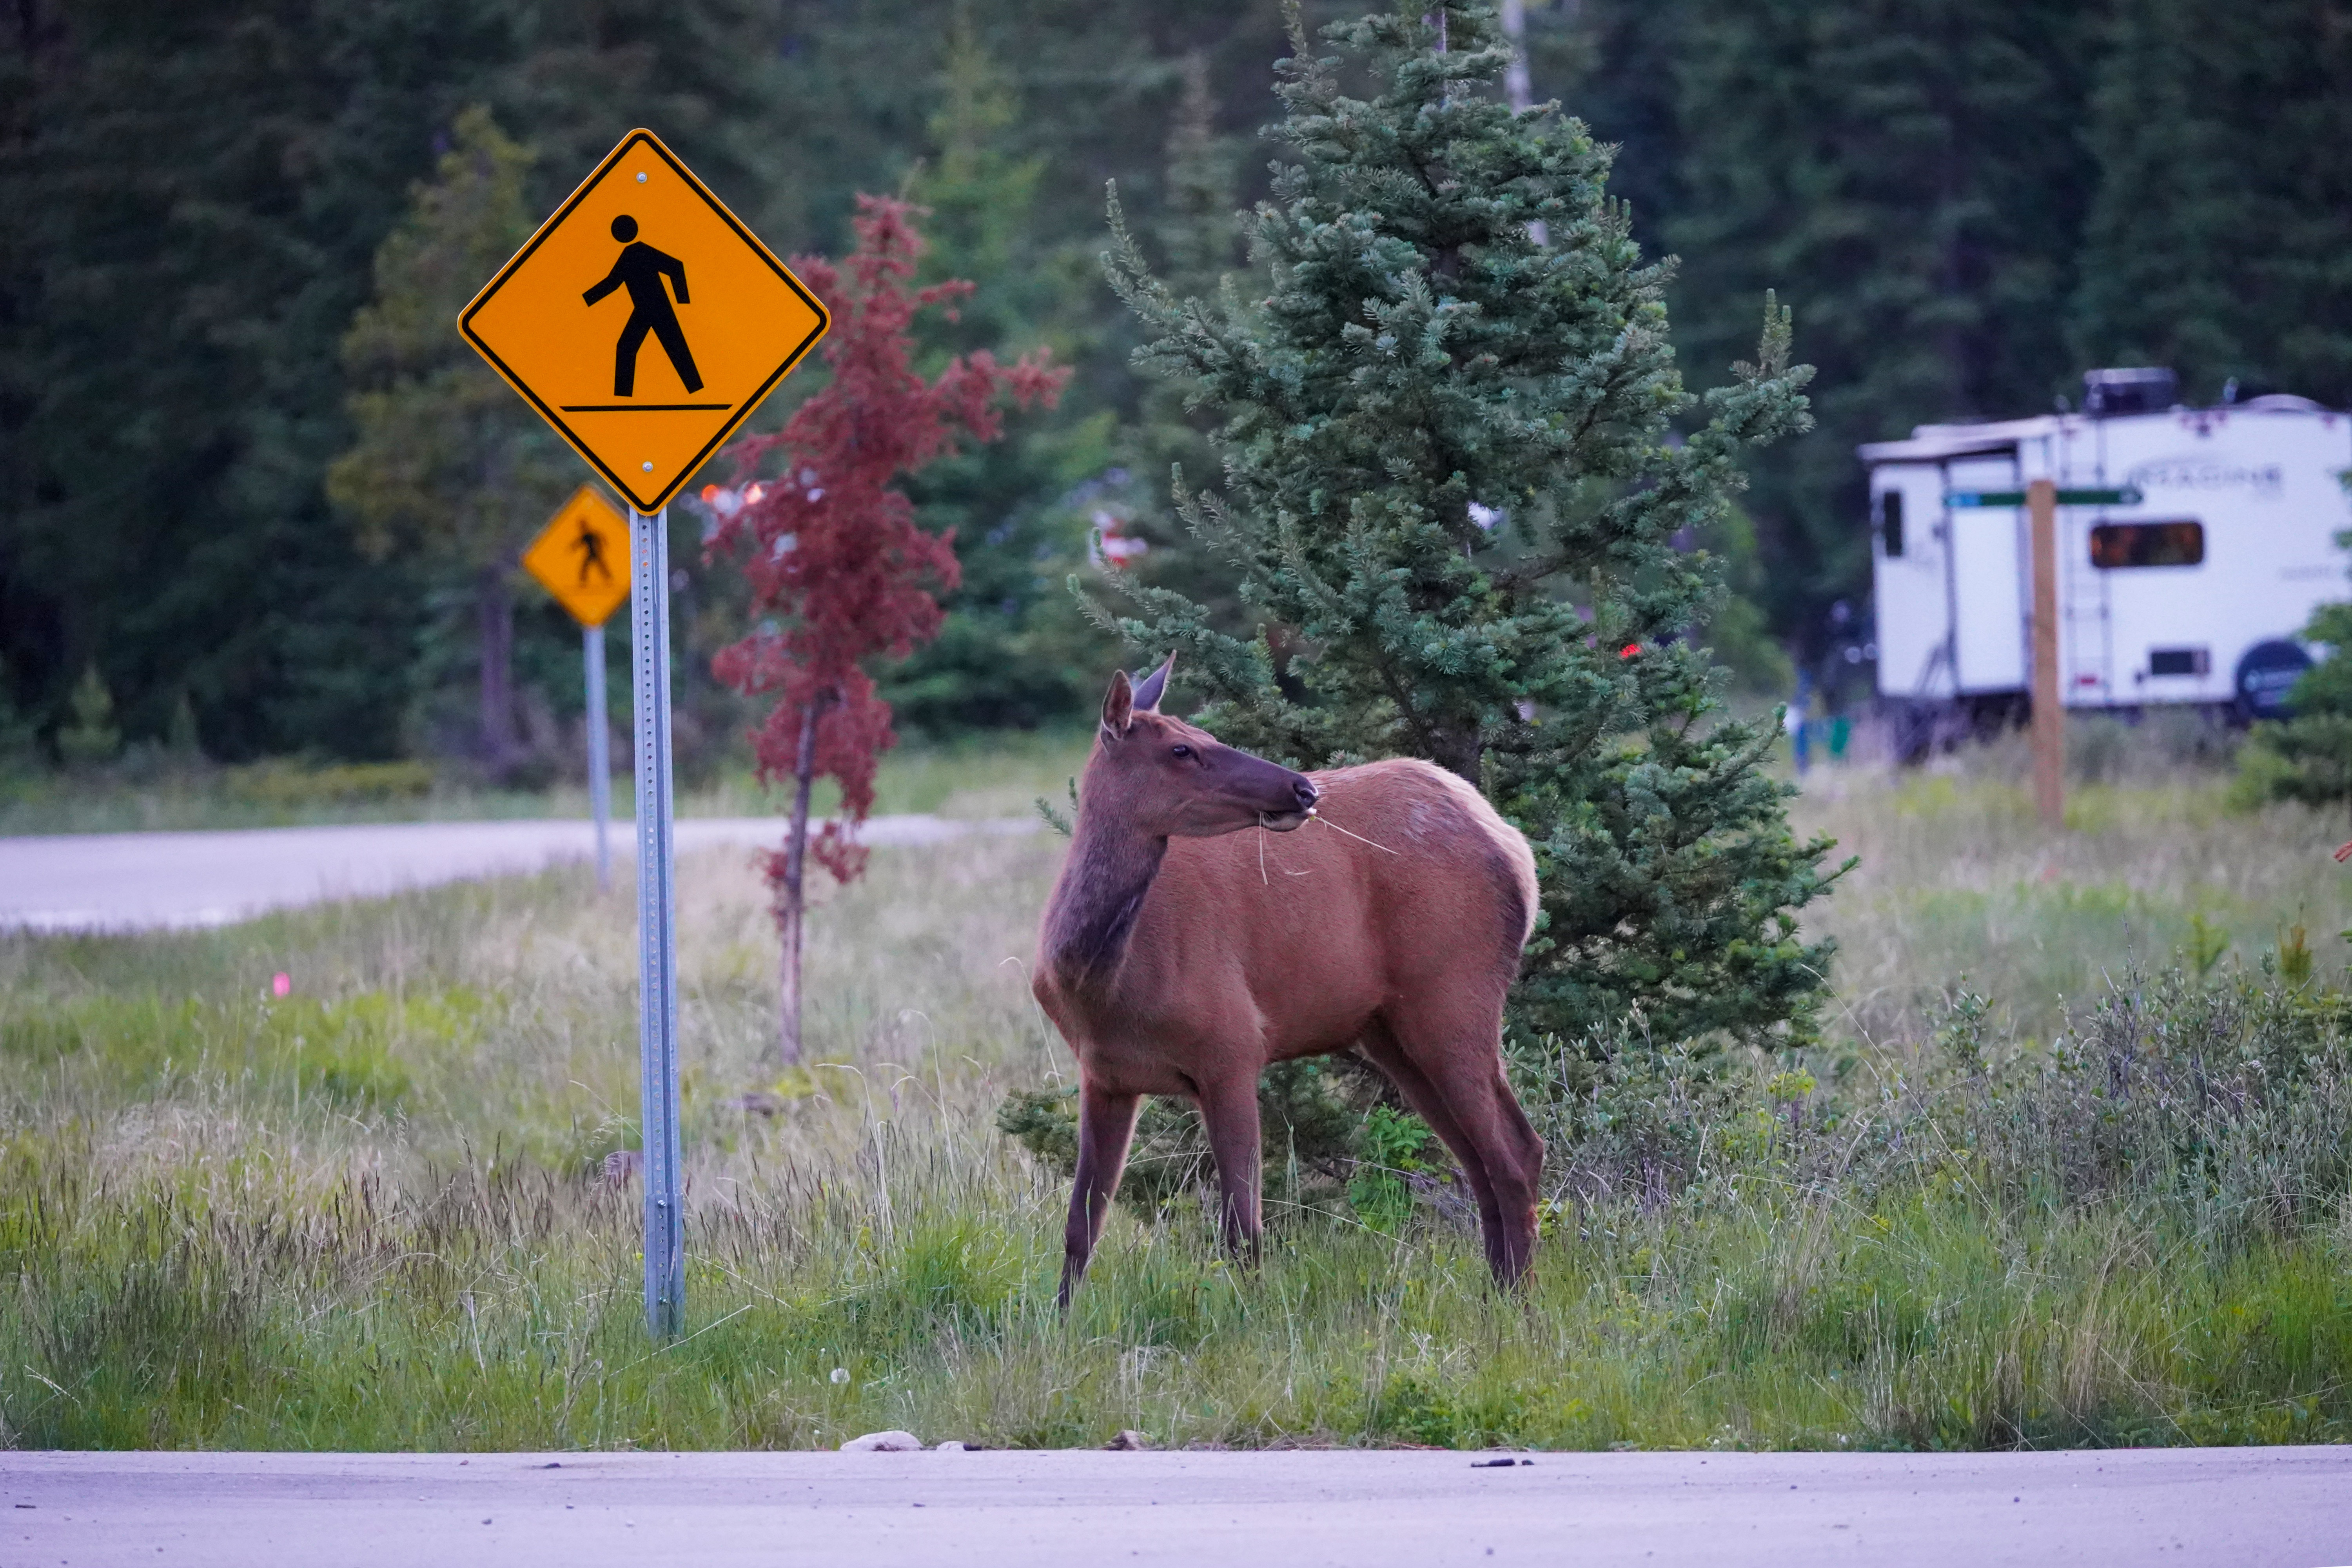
{"x": 2049, "y": 715}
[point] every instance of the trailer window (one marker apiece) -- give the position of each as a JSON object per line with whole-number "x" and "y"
{"x": 2120, "y": 544}
{"x": 1890, "y": 522}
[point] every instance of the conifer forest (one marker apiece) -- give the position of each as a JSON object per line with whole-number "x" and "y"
{"x": 1963, "y": 205}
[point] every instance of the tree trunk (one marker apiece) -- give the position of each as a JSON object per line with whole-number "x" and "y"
{"x": 494, "y": 610}
{"x": 791, "y": 907}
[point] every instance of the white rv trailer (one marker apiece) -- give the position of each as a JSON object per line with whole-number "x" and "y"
{"x": 2197, "y": 546}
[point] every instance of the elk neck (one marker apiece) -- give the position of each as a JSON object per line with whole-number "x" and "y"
{"x": 1095, "y": 905}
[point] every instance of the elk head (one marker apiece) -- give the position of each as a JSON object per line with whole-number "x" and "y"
{"x": 1166, "y": 778}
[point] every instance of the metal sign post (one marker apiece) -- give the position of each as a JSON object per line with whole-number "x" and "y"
{"x": 641, "y": 249}
{"x": 600, "y": 751}
{"x": 656, "y": 926}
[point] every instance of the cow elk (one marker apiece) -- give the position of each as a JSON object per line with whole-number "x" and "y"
{"x": 1197, "y": 935}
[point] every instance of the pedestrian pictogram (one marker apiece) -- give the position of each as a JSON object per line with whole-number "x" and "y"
{"x": 643, "y": 250}
{"x": 641, "y": 269}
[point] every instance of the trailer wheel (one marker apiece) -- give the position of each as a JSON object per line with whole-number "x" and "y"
{"x": 1993, "y": 714}
{"x": 2266, "y": 673}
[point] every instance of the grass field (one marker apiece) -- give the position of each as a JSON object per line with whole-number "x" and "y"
{"x": 374, "y": 1213}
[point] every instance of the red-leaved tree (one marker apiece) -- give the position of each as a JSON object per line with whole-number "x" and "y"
{"x": 831, "y": 549}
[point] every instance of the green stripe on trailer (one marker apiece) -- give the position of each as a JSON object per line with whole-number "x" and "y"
{"x": 2124, "y": 497}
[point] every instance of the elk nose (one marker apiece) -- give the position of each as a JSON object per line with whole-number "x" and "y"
{"x": 1307, "y": 793}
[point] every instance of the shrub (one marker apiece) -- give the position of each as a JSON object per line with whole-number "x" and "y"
{"x": 2223, "y": 1099}
{"x": 2308, "y": 757}
{"x": 287, "y": 785}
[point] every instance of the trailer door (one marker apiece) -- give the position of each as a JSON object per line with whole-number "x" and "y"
{"x": 2086, "y": 655}
{"x": 1911, "y": 592}
{"x": 1989, "y": 596}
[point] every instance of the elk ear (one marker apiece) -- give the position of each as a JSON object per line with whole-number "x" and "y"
{"x": 1119, "y": 707}
{"x": 1152, "y": 687}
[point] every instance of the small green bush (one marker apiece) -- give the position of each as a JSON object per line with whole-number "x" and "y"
{"x": 292, "y": 786}
{"x": 90, "y": 736}
{"x": 2308, "y": 757}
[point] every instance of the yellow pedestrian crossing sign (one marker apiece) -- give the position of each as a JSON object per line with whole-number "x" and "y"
{"x": 582, "y": 557}
{"x": 644, "y": 251}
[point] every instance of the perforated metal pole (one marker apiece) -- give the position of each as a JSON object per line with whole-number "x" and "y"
{"x": 656, "y": 926}
{"x": 600, "y": 751}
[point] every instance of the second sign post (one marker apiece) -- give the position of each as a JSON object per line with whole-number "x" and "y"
{"x": 644, "y": 250}
{"x": 582, "y": 557}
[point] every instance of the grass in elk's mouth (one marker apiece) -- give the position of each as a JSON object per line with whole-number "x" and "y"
{"x": 374, "y": 1214}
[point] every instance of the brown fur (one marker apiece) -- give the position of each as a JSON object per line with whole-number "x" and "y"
{"x": 1203, "y": 928}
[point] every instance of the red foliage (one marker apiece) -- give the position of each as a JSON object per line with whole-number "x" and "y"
{"x": 832, "y": 554}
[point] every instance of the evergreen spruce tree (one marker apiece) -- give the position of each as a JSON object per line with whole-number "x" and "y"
{"x": 1456, "y": 467}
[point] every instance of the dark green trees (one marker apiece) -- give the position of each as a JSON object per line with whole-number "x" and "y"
{"x": 1454, "y": 486}
{"x": 448, "y": 465}
{"x": 1970, "y": 202}
{"x": 1013, "y": 651}
{"x": 1914, "y": 177}
{"x": 195, "y": 190}
{"x": 2220, "y": 240}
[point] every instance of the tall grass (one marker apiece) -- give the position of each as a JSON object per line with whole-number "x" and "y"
{"x": 376, "y": 1214}
{"x": 1959, "y": 884}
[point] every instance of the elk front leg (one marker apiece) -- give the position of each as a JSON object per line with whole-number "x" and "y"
{"x": 1228, "y": 1111}
{"x": 1106, "y": 1127}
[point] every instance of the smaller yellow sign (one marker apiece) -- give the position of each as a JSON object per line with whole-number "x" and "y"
{"x": 583, "y": 557}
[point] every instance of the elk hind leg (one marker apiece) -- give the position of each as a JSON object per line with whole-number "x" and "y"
{"x": 1423, "y": 1097}
{"x": 1456, "y": 1049}
{"x": 1105, "y": 1128}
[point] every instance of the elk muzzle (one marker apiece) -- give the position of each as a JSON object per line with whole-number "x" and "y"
{"x": 1282, "y": 820}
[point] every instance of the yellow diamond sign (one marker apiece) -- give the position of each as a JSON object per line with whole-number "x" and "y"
{"x": 582, "y": 557}
{"x": 643, "y": 321}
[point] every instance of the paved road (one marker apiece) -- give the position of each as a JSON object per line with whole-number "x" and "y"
{"x": 2269, "y": 1508}
{"x": 142, "y": 881}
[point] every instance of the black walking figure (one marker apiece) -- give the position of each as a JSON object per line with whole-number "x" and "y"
{"x": 640, "y": 270}
{"x": 591, "y": 545}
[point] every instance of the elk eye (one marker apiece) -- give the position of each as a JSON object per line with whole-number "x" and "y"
{"x": 1180, "y": 750}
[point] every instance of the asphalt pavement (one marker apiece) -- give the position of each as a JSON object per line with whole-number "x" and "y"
{"x": 2232, "y": 1508}
{"x": 148, "y": 881}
